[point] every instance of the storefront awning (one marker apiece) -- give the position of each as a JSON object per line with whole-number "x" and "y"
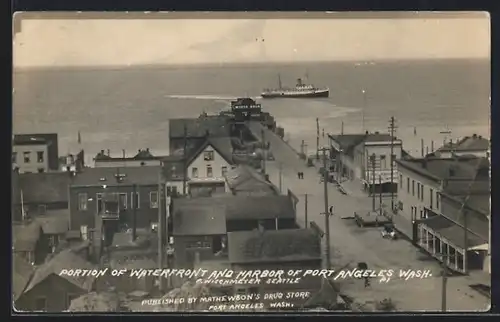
{"x": 453, "y": 233}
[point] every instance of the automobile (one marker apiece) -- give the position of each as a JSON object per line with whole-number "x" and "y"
{"x": 389, "y": 232}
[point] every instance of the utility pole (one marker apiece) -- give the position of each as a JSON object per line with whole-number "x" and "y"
{"x": 380, "y": 194}
{"x": 302, "y": 147}
{"x": 363, "y": 112}
{"x": 317, "y": 138}
{"x": 444, "y": 281}
{"x": 372, "y": 162}
{"x": 305, "y": 209}
{"x": 327, "y": 214}
{"x": 160, "y": 230}
{"x": 262, "y": 133}
{"x": 342, "y": 128}
{"x": 184, "y": 163}
{"x": 134, "y": 211}
{"x": 422, "y": 147}
{"x": 280, "y": 176}
{"x": 392, "y": 130}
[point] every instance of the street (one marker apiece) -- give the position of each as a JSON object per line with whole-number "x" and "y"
{"x": 351, "y": 244}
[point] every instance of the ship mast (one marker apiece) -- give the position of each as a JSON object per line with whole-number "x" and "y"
{"x": 279, "y": 81}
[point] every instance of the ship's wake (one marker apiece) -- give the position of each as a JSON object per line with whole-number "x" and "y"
{"x": 209, "y": 97}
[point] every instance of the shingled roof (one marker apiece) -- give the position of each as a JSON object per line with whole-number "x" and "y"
{"x": 67, "y": 259}
{"x": 273, "y": 246}
{"x": 243, "y": 207}
{"x": 22, "y": 271}
{"x": 25, "y": 237}
{"x": 216, "y": 126}
{"x": 246, "y": 179}
{"x": 468, "y": 143}
{"x": 221, "y": 145}
{"x": 196, "y": 220}
{"x": 44, "y": 188}
{"x": 463, "y": 167}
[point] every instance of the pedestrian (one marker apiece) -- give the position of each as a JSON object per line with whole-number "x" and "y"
{"x": 330, "y": 210}
{"x": 302, "y": 175}
{"x": 298, "y": 175}
{"x": 367, "y": 282}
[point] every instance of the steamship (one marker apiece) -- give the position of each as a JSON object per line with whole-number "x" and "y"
{"x": 301, "y": 90}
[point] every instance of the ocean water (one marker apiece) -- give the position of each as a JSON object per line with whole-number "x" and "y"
{"x": 130, "y": 108}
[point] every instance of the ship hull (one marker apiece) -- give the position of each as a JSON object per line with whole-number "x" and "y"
{"x": 324, "y": 93}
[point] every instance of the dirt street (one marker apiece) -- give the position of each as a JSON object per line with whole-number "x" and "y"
{"x": 351, "y": 244}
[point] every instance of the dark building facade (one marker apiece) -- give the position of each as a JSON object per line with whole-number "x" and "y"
{"x": 137, "y": 188}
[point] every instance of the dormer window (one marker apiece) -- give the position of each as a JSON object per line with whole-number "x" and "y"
{"x": 208, "y": 156}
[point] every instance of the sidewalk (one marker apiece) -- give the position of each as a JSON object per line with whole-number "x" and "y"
{"x": 351, "y": 244}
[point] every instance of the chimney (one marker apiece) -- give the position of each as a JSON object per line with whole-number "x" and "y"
{"x": 474, "y": 135}
{"x": 109, "y": 152}
{"x": 367, "y": 132}
{"x": 123, "y": 152}
{"x": 147, "y": 149}
{"x": 102, "y": 152}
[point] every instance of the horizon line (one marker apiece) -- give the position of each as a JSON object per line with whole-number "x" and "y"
{"x": 240, "y": 64}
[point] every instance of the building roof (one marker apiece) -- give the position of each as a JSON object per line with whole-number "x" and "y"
{"x": 66, "y": 259}
{"x": 142, "y": 155}
{"x": 44, "y": 188}
{"x": 221, "y": 145}
{"x": 348, "y": 141}
{"x": 245, "y": 178}
{"x": 196, "y": 220}
{"x": 26, "y": 236}
{"x": 54, "y": 222}
{"x": 197, "y": 127}
{"x": 50, "y": 139}
{"x": 273, "y": 246}
{"x": 130, "y": 175}
{"x": 464, "y": 167}
{"x": 243, "y": 207}
{"x": 22, "y": 271}
{"x": 454, "y": 233}
{"x": 468, "y": 143}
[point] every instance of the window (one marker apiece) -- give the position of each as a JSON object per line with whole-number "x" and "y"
{"x": 41, "y": 304}
{"x": 99, "y": 202}
{"x": 408, "y": 185}
{"x": 208, "y": 155}
{"x": 383, "y": 163}
{"x": 82, "y": 201}
{"x": 210, "y": 172}
{"x": 123, "y": 200}
{"x": 14, "y": 157}
{"x": 224, "y": 171}
{"x": 194, "y": 172}
{"x": 431, "y": 194}
{"x": 400, "y": 181}
{"x": 400, "y": 205}
{"x": 422, "y": 214}
{"x": 174, "y": 191}
{"x": 438, "y": 200}
{"x": 393, "y": 160}
{"x": 413, "y": 187}
{"x": 418, "y": 190}
{"x": 153, "y": 199}
{"x": 26, "y": 157}
{"x": 42, "y": 209}
{"x": 134, "y": 202}
{"x": 39, "y": 156}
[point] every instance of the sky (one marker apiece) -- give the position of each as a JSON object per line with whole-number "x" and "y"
{"x": 67, "y": 41}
